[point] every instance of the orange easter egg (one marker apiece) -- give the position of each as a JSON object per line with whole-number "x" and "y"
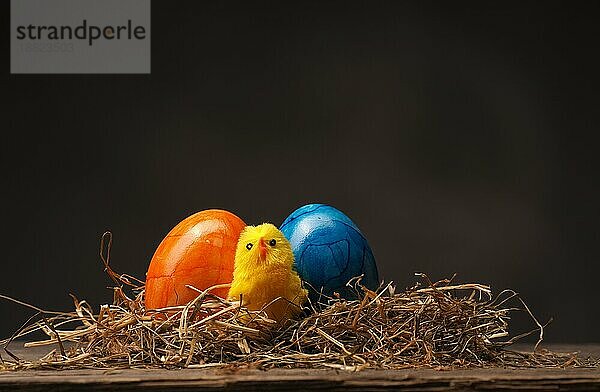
{"x": 199, "y": 251}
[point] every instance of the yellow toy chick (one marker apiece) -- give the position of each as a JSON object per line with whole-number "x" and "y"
{"x": 263, "y": 272}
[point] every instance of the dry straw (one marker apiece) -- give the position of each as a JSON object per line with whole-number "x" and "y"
{"x": 437, "y": 325}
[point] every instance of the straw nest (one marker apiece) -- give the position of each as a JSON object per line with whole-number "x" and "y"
{"x": 437, "y": 325}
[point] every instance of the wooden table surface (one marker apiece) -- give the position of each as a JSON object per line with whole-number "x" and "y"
{"x": 279, "y": 379}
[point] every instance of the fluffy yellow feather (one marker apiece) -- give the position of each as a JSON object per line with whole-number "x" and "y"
{"x": 264, "y": 271}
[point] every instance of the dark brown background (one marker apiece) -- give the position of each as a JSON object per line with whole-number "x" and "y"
{"x": 458, "y": 137}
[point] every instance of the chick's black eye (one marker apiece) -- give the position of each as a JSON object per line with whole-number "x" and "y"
{"x": 272, "y": 242}
{"x": 249, "y": 245}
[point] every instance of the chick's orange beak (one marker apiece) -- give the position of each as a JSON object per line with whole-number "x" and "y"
{"x": 262, "y": 249}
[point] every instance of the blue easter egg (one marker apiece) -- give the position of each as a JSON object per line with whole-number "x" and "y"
{"x": 329, "y": 250}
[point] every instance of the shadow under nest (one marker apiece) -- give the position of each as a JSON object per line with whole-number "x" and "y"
{"x": 438, "y": 325}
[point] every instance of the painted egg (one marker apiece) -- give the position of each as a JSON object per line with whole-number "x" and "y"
{"x": 329, "y": 250}
{"x": 199, "y": 251}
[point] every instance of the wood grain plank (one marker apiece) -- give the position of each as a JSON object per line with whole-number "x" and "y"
{"x": 299, "y": 379}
